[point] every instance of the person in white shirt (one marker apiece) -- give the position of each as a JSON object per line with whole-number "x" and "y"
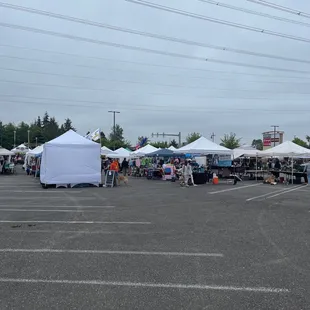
{"x": 187, "y": 172}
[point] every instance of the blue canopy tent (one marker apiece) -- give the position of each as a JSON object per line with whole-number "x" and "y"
{"x": 161, "y": 153}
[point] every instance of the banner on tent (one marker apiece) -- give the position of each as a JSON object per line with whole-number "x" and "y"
{"x": 219, "y": 160}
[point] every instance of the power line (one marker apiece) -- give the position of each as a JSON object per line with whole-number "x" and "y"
{"x": 218, "y": 21}
{"x": 130, "y": 107}
{"x": 281, "y": 8}
{"x": 154, "y": 105}
{"x": 146, "y": 50}
{"x": 141, "y": 83}
{"x": 240, "y": 9}
{"x": 140, "y": 64}
{"x": 125, "y": 91}
{"x": 147, "y": 34}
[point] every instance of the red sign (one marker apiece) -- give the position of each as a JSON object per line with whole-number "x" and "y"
{"x": 267, "y": 141}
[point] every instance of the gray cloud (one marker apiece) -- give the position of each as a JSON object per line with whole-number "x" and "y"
{"x": 200, "y": 103}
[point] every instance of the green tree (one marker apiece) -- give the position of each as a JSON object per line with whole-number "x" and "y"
{"x": 230, "y": 141}
{"x": 38, "y": 122}
{"x": 300, "y": 142}
{"x": 68, "y": 125}
{"x": 1, "y": 133}
{"x": 193, "y": 137}
{"x": 160, "y": 144}
{"x": 46, "y": 120}
{"x": 116, "y": 138}
{"x": 173, "y": 143}
{"x": 22, "y": 133}
{"x": 51, "y": 130}
{"x": 8, "y": 135}
{"x": 258, "y": 144}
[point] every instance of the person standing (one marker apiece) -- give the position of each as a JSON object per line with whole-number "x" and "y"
{"x": 187, "y": 172}
{"x": 115, "y": 167}
{"x": 125, "y": 165}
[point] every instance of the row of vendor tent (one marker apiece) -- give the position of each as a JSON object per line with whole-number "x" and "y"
{"x": 5, "y": 152}
{"x": 203, "y": 146}
{"x": 285, "y": 149}
{"x": 124, "y": 153}
{"x": 21, "y": 149}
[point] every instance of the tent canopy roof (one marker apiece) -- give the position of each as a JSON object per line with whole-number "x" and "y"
{"x": 161, "y": 153}
{"x": 246, "y": 151}
{"x": 287, "y": 148}
{"x": 5, "y": 152}
{"x": 120, "y": 153}
{"x": 71, "y": 137}
{"x": 172, "y": 148}
{"x": 145, "y": 150}
{"x": 36, "y": 151}
{"x": 106, "y": 151}
{"x": 203, "y": 146}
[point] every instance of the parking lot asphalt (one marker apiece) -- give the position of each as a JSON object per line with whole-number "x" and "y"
{"x": 154, "y": 245}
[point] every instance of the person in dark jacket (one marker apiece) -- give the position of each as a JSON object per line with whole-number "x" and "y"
{"x": 125, "y": 166}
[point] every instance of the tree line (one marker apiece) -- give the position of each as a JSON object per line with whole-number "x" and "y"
{"x": 40, "y": 131}
{"x": 47, "y": 128}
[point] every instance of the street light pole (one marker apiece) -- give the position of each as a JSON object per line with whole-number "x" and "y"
{"x": 274, "y": 133}
{"x": 114, "y": 112}
{"x": 14, "y": 138}
{"x": 28, "y": 138}
{"x": 36, "y": 141}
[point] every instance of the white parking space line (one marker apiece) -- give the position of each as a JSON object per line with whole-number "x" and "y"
{"x": 288, "y": 191}
{"x": 276, "y": 193}
{"x": 86, "y": 232}
{"x": 270, "y": 193}
{"x": 234, "y": 189}
{"x": 40, "y": 191}
{"x": 20, "y": 186}
{"x": 151, "y": 285}
{"x": 78, "y": 222}
{"x": 51, "y": 207}
{"x": 148, "y": 253}
{"x": 50, "y": 210}
{"x": 50, "y": 197}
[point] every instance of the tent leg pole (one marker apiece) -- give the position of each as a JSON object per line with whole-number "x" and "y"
{"x": 256, "y": 168}
{"x": 292, "y": 171}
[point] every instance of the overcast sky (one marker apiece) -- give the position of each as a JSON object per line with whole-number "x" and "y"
{"x": 198, "y": 96}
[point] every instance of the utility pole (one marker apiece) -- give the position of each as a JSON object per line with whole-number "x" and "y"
{"x": 36, "y": 141}
{"x": 274, "y": 133}
{"x": 168, "y": 135}
{"x": 213, "y": 136}
{"x": 114, "y": 112}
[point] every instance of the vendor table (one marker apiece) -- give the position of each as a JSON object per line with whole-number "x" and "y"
{"x": 201, "y": 177}
{"x": 288, "y": 174}
{"x": 153, "y": 174}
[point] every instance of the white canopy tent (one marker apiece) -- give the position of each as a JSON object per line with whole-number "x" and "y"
{"x": 172, "y": 148}
{"x": 36, "y": 151}
{"x": 246, "y": 151}
{"x": 120, "y": 153}
{"x": 70, "y": 159}
{"x": 5, "y": 152}
{"x": 22, "y": 149}
{"x": 144, "y": 150}
{"x": 106, "y": 151}
{"x": 203, "y": 146}
{"x": 287, "y": 149}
